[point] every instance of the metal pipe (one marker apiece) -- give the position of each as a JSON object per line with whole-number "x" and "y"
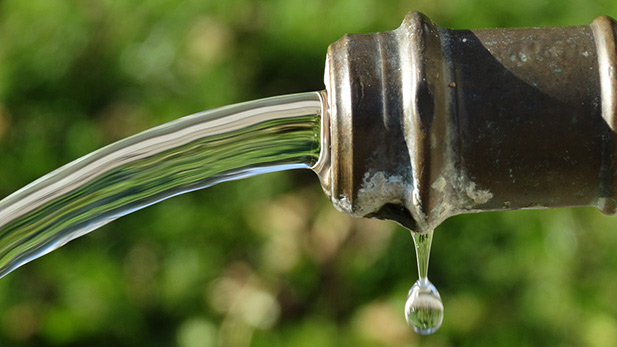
{"x": 426, "y": 122}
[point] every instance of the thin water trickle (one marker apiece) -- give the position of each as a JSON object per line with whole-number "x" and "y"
{"x": 423, "y": 309}
{"x": 187, "y": 154}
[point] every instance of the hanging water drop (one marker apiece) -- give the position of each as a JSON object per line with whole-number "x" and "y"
{"x": 423, "y": 309}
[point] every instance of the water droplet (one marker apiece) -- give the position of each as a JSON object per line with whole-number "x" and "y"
{"x": 424, "y": 309}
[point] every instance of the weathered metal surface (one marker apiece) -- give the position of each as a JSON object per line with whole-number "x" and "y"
{"x": 427, "y": 122}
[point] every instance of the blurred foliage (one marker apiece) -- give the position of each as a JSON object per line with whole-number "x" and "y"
{"x": 265, "y": 261}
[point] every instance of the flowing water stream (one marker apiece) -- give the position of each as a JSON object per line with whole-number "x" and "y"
{"x": 189, "y": 153}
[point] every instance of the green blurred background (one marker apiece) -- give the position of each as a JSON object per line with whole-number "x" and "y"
{"x": 265, "y": 261}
